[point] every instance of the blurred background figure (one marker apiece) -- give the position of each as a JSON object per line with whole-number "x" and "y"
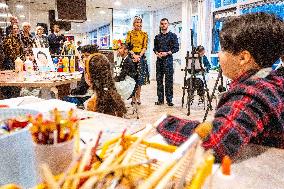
{"x": 56, "y": 40}
{"x": 40, "y": 40}
{"x": 14, "y": 21}
{"x": 26, "y": 36}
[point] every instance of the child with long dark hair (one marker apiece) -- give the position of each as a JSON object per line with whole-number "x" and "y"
{"x": 99, "y": 76}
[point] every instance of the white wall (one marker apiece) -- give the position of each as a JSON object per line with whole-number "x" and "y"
{"x": 174, "y": 14}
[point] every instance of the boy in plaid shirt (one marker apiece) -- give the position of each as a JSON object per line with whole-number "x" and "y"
{"x": 252, "y": 111}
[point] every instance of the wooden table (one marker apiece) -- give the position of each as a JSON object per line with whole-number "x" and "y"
{"x": 60, "y": 87}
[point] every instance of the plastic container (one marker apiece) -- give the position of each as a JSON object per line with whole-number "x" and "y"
{"x": 17, "y": 158}
{"x": 65, "y": 63}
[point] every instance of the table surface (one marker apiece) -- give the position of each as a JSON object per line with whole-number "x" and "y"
{"x": 94, "y": 122}
{"x": 258, "y": 167}
{"x": 44, "y": 83}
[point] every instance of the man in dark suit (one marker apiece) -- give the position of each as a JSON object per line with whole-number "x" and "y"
{"x": 165, "y": 45}
{"x": 55, "y": 40}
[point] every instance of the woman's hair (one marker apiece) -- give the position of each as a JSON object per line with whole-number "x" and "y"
{"x": 136, "y": 18}
{"x": 99, "y": 72}
{"x": 261, "y": 34}
{"x": 38, "y": 28}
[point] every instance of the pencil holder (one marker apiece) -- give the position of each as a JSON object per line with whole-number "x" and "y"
{"x": 57, "y": 156}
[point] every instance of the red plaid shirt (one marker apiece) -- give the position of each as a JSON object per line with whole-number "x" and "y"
{"x": 251, "y": 111}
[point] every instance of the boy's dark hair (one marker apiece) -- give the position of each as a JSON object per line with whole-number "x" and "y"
{"x": 164, "y": 19}
{"x": 261, "y": 34}
{"x": 90, "y": 49}
{"x": 40, "y": 52}
{"x": 126, "y": 46}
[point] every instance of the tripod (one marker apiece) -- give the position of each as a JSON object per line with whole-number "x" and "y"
{"x": 221, "y": 88}
{"x": 190, "y": 86}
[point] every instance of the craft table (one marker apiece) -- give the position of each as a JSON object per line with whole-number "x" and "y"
{"x": 94, "y": 122}
{"x": 58, "y": 86}
{"x": 257, "y": 167}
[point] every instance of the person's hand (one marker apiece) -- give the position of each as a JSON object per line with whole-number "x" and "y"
{"x": 136, "y": 58}
{"x": 163, "y": 54}
{"x": 159, "y": 55}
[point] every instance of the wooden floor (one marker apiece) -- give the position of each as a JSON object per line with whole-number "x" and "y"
{"x": 149, "y": 112}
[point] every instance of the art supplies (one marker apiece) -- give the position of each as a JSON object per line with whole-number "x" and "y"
{"x": 65, "y": 63}
{"x": 53, "y": 131}
{"x": 124, "y": 163}
{"x": 13, "y": 125}
{"x": 72, "y": 64}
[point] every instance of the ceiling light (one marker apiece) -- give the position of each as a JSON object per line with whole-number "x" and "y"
{"x": 89, "y": 20}
{"x": 5, "y": 15}
{"x": 72, "y": 29}
{"x": 78, "y": 25}
{"x": 3, "y": 5}
{"x": 22, "y": 16}
{"x": 102, "y": 12}
{"x": 19, "y": 6}
{"x": 117, "y": 3}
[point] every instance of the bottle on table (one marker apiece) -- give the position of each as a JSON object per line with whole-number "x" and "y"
{"x": 60, "y": 65}
{"x": 19, "y": 65}
{"x": 55, "y": 63}
{"x": 65, "y": 63}
{"x": 72, "y": 64}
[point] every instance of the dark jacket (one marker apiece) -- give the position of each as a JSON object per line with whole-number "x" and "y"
{"x": 9, "y": 30}
{"x": 206, "y": 63}
{"x": 166, "y": 42}
{"x": 82, "y": 87}
{"x": 127, "y": 69}
{"x": 55, "y": 43}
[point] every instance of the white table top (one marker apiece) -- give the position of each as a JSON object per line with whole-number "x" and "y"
{"x": 262, "y": 168}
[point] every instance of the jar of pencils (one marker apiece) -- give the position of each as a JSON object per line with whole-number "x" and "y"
{"x": 54, "y": 140}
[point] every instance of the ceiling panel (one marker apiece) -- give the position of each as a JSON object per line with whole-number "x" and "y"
{"x": 35, "y": 11}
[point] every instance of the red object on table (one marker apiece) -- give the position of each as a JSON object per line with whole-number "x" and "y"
{"x": 226, "y": 165}
{"x": 4, "y": 106}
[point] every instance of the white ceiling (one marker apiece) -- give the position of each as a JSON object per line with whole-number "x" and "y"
{"x": 37, "y": 11}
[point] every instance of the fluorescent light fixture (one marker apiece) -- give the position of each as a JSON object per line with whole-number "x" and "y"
{"x": 89, "y": 20}
{"x": 3, "y": 5}
{"x": 22, "y": 16}
{"x": 117, "y": 3}
{"x": 5, "y": 15}
{"x": 78, "y": 25}
{"x": 102, "y": 12}
{"x": 19, "y": 6}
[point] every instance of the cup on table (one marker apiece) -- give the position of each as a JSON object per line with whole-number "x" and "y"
{"x": 57, "y": 156}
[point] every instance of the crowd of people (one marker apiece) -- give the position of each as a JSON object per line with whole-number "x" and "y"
{"x": 251, "y": 111}
{"x": 18, "y": 42}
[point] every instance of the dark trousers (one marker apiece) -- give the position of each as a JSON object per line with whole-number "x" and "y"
{"x": 164, "y": 67}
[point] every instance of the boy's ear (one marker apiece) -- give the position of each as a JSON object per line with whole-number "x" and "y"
{"x": 245, "y": 57}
